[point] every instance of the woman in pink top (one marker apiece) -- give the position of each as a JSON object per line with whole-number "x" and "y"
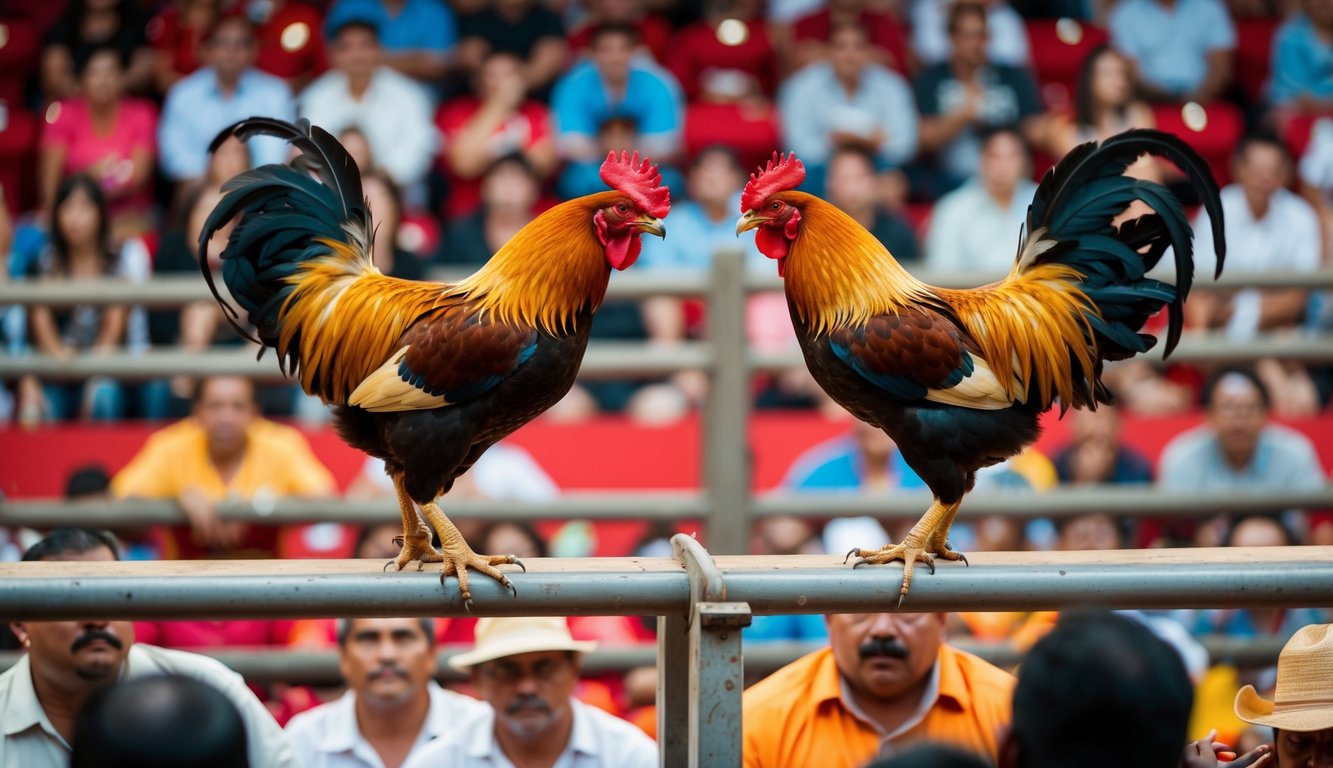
{"x": 106, "y": 135}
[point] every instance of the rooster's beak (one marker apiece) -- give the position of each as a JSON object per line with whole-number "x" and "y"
{"x": 749, "y": 221}
{"x": 650, "y": 225}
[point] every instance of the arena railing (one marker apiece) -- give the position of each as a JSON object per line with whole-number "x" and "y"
{"x": 726, "y": 503}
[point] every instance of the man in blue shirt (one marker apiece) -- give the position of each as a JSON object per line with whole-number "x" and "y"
{"x": 417, "y": 36}
{"x": 1182, "y": 50}
{"x": 227, "y": 90}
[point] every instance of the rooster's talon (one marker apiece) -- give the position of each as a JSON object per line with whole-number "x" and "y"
{"x": 385, "y": 569}
{"x": 851, "y": 552}
{"x": 515, "y": 561}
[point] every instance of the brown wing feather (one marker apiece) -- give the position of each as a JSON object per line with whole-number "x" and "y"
{"x": 915, "y": 342}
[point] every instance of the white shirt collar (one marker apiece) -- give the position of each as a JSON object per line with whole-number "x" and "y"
{"x": 923, "y": 707}
{"x": 342, "y": 734}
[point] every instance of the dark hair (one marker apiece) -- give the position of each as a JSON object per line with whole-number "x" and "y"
{"x": 932, "y": 756}
{"x": 1245, "y": 373}
{"x": 160, "y": 721}
{"x": 1262, "y": 138}
{"x": 613, "y": 28}
{"x": 80, "y": 182}
{"x": 855, "y": 150}
{"x": 1083, "y": 91}
{"x": 958, "y": 10}
{"x": 87, "y": 480}
{"x": 987, "y": 134}
{"x": 426, "y": 624}
{"x": 70, "y": 541}
{"x": 99, "y": 48}
{"x": 355, "y": 22}
{"x": 197, "y": 396}
{"x": 1098, "y": 673}
{"x": 1289, "y": 538}
{"x": 530, "y": 533}
{"x": 222, "y": 20}
{"x": 516, "y": 159}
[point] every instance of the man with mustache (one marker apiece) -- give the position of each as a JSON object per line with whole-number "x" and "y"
{"x": 67, "y": 661}
{"x": 526, "y": 669}
{"x": 392, "y": 707}
{"x": 886, "y": 681}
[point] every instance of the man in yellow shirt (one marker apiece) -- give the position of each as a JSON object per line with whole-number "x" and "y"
{"x": 224, "y": 450}
{"x": 887, "y": 680}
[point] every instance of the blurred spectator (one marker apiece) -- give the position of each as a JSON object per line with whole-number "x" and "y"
{"x": 1104, "y": 105}
{"x": 392, "y": 110}
{"x": 812, "y": 34}
{"x": 1238, "y": 449}
{"x": 1096, "y": 454}
{"x": 976, "y": 228}
{"x": 1302, "y": 73}
{"x": 963, "y": 97}
{"x": 1302, "y": 728}
{"x": 726, "y": 56}
{"x": 499, "y": 120}
{"x": 354, "y": 141}
{"x": 225, "y": 450}
{"x": 524, "y": 28}
{"x": 386, "y": 206}
{"x": 392, "y": 707}
{"x": 655, "y": 35}
{"x": 79, "y": 249}
{"x": 159, "y": 722}
{"x": 933, "y": 43}
{"x": 858, "y": 191}
{"x": 526, "y": 669}
{"x": 89, "y": 482}
{"x": 786, "y": 535}
{"x": 518, "y": 539}
{"x": 106, "y": 135}
{"x": 1268, "y": 228}
{"x": 1094, "y": 531}
{"x": 509, "y": 192}
{"x": 886, "y": 681}
{"x": 1181, "y": 50}
{"x": 69, "y": 661}
{"x": 229, "y": 89}
{"x": 177, "y": 36}
{"x": 1099, "y": 673}
{"x": 416, "y": 37}
{"x": 291, "y": 40}
{"x": 89, "y": 24}
{"x": 848, "y": 101}
{"x": 610, "y": 84}
{"x": 510, "y": 473}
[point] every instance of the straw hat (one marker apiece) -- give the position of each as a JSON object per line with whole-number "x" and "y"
{"x": 497, "y": 638}
{"x": 1303, "y": 700}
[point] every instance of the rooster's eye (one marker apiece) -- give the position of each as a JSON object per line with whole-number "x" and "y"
{"x": 622, "y": 208}
{"x": 776, "y": 206}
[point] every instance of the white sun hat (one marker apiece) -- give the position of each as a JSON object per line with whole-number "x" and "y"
{"x": 510, "y": 636}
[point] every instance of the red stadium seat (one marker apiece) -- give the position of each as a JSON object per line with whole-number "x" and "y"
{"x": 1254, "y": 55}
{"x": 20, "y": 50}
{"x": 1213, "y": 131}
{"x": 752, "y": 134}
{"x": 1298, "y": 130}
{"x": 1058, "y": 48}
{"x": 19, "y": 131}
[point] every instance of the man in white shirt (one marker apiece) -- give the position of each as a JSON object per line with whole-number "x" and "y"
{"x": 393, "y": 111}
{"x": 526, "y": 669}
{"x": 392, "y": 707}
{"x": 67, "y": 661}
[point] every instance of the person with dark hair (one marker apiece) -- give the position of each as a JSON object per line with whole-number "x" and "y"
{"x": 1239, "y": 449}
{"x": 89, "y": 481}
{"x": 85, "y": 26}
{"x": 526, "y": 29}
{"x": 1182, "y": 50}
{"x": 159, "y": 722}
{"x": 392, "y": 707}
{"x": 419, "y": 37}
{"x": 67, "y": 662}
{"x": 1104, "y": 104}
{"x": 1096, "y": 674}
{"x": 932, "y": 756}
{"x": 887, "y": 681}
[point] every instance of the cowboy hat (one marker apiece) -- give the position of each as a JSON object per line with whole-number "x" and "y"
{"x": 1303, "y": 698}
{"x": 510, "y": 636}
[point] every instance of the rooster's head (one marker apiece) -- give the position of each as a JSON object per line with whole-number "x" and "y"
{"x": 768, "y": 206}
{"x": 639, "y": 207}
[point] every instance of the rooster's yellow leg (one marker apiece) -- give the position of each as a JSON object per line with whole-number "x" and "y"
{"x": 458, "y": 556}
{"x": 912, "y": 549}
{"x": 416, "y": 535}
{"x": 938, "y": 543}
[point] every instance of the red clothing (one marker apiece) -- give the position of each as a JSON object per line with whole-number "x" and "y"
{"x": 697, "y": 54}
{"x": 168, "y": 35}
{"x": 212, "y": 634}
{"x": 69, "y": 125}
{"x": 291, "y": 43}
{"x": 883, "y": 30}
{"x": 524, "y": 129}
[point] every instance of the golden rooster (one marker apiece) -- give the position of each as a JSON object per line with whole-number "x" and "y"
{"x": 959, "y": 378}
{"x": 425, "y": 376}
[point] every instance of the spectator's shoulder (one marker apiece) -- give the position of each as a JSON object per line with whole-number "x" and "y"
{"x": 807, "y": 680}
{"x": 1186, "y": 448}
{"x": 175, "y": 437}
{"x": 275, "y": 434}
{"x": 1291, "y": 442}
{"x": 146, "y": 660}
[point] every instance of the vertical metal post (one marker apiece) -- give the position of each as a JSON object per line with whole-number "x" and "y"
{"x": 716, "y": 681}
{"x": 726, "y": 450}
{"x": 673, "y": 689}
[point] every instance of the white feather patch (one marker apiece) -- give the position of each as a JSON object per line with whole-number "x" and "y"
{"x": 384, "y": 390}
{"x": 981, "y": 390}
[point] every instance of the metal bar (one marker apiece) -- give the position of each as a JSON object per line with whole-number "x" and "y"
{"x": 666, "y": 506}
{"x": 617, "y": 360}
{"x": 995, "y": 581}
{"x": 673, "y": 689}
{"x": 177, "y": 290}
{"x": 320, "y": 667}
{"x": 726, "y": 452}
{"x": 706, "y": 582}
{"x": 717, "y": 679}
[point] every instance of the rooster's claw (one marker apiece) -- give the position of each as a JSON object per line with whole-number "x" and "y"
{"x": 851, "y": 552}
{"x": 515, "y": 561}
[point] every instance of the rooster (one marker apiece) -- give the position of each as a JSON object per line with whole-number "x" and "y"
{"x": 425, "y": 376}
{"x": 959, "y": 378}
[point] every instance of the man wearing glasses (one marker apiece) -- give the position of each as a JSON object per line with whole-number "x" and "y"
{"x": 526, "y": 669}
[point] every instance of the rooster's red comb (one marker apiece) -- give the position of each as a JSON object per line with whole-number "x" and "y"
{"x": 782, "y": 173}
{"x": 640, "y": 181}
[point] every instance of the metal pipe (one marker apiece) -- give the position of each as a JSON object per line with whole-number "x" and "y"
{"x": 726, "y": 451}
{"x": 995, "y": 581}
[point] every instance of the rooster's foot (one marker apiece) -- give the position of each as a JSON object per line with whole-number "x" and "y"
{"x": 940, "y": 548}
{"x": 415, "y": 547}
{"x": 458, "y": 559}
{"x": 910, "y": 552}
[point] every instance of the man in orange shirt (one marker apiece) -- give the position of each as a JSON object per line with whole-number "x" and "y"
{"x": 887, "y": 680}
